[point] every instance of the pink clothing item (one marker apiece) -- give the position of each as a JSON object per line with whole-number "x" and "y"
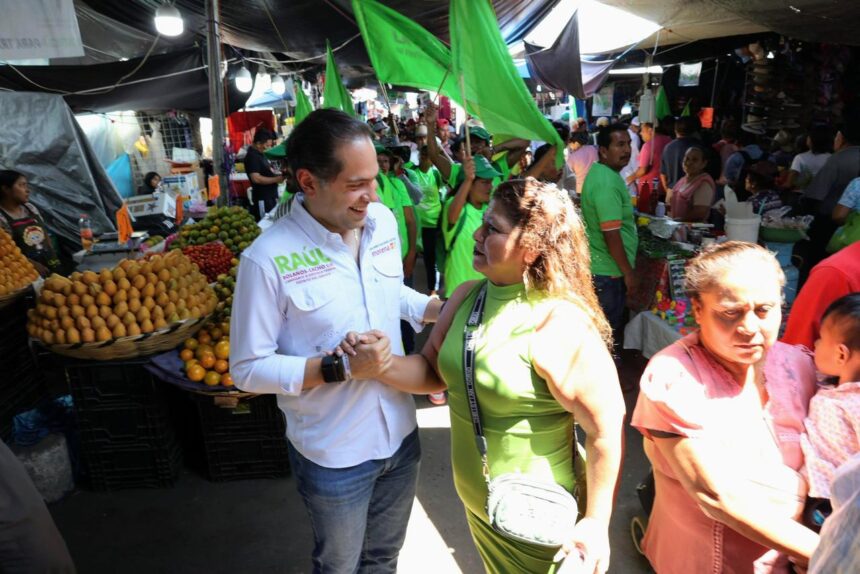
{"x": 579, "y": 162}
{"x": 832, "y": 434}
{"x": 659, "y": 143}
{"x": 685, "y": 391}
{"x": 684, "y": 193}
{"x": 725, "y": 148}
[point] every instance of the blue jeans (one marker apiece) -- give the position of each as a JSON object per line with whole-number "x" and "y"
{"x": 612, "y": 295}
{"x": 359, "y": 514}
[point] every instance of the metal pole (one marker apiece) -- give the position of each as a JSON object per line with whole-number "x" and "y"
{"x": 716, "y": 75}
{"x": 216, "y": 96}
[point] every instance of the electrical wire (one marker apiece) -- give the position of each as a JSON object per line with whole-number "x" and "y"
{"x": 272, "y": 21}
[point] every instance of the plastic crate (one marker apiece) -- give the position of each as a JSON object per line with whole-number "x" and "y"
{"x": 245, "y": 441}
{"x": 113, "y": 384}
{"x": 115, "y": 427}
{"x": 242, "y": 459}
{"x": 124, "y": 468}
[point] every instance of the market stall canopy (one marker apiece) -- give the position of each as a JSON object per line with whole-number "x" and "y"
{"x": 299, "y": 30}
{"x": 169, "y": 81}
{"x": 827, "y": 21}
{"x": 40, "y": 138}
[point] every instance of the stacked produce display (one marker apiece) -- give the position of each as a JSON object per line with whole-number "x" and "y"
{"x": 16, "y": 271}
{"x": 233, "y": 226}
{"x": 136, "y": 297}
{"x": 214, "y": 259}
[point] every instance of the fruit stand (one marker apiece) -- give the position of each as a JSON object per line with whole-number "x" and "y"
{"x": 110, "y": 332}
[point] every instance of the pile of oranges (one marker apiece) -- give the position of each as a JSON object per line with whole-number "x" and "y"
{"x": 206, "y": 356}
{"x": 16, "y": 271}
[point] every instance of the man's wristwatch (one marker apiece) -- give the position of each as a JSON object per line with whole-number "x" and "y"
{"x": 335, "y": 369}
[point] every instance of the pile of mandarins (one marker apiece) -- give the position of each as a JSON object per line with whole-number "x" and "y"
{"x": 16, "y": 271}
{"x": 135, "y": 297}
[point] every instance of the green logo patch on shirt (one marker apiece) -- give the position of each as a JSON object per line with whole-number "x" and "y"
{"x": 300, "y": 260}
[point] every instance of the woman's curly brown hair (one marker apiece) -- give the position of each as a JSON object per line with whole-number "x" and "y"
{"x": 547, "y": 223}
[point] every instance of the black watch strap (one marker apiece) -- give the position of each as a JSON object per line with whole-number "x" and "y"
{"x": 333, "y": 369}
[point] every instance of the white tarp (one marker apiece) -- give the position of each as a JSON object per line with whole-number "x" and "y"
{"x": 34, "y": 29}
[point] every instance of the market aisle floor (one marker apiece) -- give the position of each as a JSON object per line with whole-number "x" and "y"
{"x": 261, "y": 526}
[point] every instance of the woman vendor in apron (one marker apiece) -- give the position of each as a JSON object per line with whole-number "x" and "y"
{"x": 22, "y": 221}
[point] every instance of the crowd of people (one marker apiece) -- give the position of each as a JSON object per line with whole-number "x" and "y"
{"x": 753, "y": 441}
{"x": 532, "y": 264}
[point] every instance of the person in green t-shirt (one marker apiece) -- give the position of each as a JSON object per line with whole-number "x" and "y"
{"x": 462, "y": 214}
{"x": 610, "y": 225}
{"x": 392, "y": 193}
{"x": 429, "y": 181}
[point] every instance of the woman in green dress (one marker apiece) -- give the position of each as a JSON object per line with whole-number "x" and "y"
{"x": 542, "y": 362}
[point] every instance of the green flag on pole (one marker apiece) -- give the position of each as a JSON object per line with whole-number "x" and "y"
{"x": 661, "y": 105}
{"x": 303, "y": 105}
{"x": 686, "y": 111}
{"x": 401, "y": 51}
{"x": 335, "y": 94}
{"x": 491, "y": 85}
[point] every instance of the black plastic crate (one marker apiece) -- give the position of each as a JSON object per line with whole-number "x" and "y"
{"x": 113, "y": 384}
{"x": 20, "y": 394}
{"x": 250, "y": 417}
{"x": 241, "y": 441}
{"x": 119, "y": 426}
{"x": 112, "y": 468}
{"x": 246, "y": 458}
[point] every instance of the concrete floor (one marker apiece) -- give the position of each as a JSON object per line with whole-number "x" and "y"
{"x": 261, "y": 526}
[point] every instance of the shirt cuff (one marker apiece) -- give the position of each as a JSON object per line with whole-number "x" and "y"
{"x": 413, "y": 306}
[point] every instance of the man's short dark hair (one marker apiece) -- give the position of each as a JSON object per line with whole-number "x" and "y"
{"x": 541, "y": 151}
{"x": 263, "y": 135}
{"x": 562, "y": 129}
{"x": 313, "y": 143}
{"x": 846, "y": 312}
{"x": 648, "y": 125}
{"x": 821, "y": 138}
{"x": 851, "y": 128}
{"x": 604, "y": 135}
{"x": 686, "y": 126}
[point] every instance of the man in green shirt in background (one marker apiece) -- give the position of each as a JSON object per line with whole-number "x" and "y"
{"x": 610, "y": 226}
{"x": 429, "y": 181}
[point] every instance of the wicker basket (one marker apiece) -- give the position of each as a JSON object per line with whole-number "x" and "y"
{"x": 132, "y": 347}
{"x": 9, "y": 298}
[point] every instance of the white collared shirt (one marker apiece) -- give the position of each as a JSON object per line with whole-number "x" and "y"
{"x": 298, "y": 293}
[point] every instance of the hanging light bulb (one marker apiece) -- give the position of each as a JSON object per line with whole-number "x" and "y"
{"x": 278, "y": 86}
{"x": 168, "y": 21}
{"x": 244, "y": 81}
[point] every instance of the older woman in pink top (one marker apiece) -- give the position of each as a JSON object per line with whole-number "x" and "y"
{"x": 722, "y": 412}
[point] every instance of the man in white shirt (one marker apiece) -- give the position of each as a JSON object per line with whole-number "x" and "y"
{"x": 329, "y": 266}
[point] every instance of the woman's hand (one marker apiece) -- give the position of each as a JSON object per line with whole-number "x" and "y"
{"x": 587, "y": 551}
{"x": 369, "y": 353}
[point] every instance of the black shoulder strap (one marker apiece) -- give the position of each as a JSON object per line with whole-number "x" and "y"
{"x": 470, "y": 340}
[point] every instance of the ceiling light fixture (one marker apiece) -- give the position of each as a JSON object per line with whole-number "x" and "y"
{"x": 168, "y": 21}
{"x": 243, "y": 80}
{"x": 278, "y": 86}
{"x": 636, "y": 71}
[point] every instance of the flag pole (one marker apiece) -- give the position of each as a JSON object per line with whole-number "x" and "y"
{"x": 466, "y": 114}
{"x": 388, "y": 105}
{"x": 439, "y": 91}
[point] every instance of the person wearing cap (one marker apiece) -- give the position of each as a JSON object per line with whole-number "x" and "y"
{"x": 506, "y": 155}
{"x": 462, "y": 214}
{"x": 633, "y": 165}
{"x": 601, "y": 122}
{"x": 264, "y": 181}
{"x": 380, "y": 129}
{"x": 444, "y": 134}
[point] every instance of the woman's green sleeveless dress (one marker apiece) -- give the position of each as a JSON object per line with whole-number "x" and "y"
{"x": 526, "y": 429}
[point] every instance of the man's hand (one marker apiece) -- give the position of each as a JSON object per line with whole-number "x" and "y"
{"x": 409, "y": 263}
{"x": 431, "y": 114}
{"x": 369, "y": 353}
{"x": 469, "y": 169}
{"x": 630, "y": 282}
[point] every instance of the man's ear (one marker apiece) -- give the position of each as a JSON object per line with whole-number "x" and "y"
{"x": 306, "y": 182}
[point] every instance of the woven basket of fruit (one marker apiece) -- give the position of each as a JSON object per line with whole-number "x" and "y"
{"x": 137, "y": 309}
{"x": 16, "y": 271}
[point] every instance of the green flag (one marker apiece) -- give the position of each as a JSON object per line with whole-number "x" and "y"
{"x": 335, "y": 94}
{"x": 401, "y": 51}
{"x": 493, "y": 88}
{"x": 303, "y": 105}
{"x": 661, "y": 105}
{"x": 686, "y": 111}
